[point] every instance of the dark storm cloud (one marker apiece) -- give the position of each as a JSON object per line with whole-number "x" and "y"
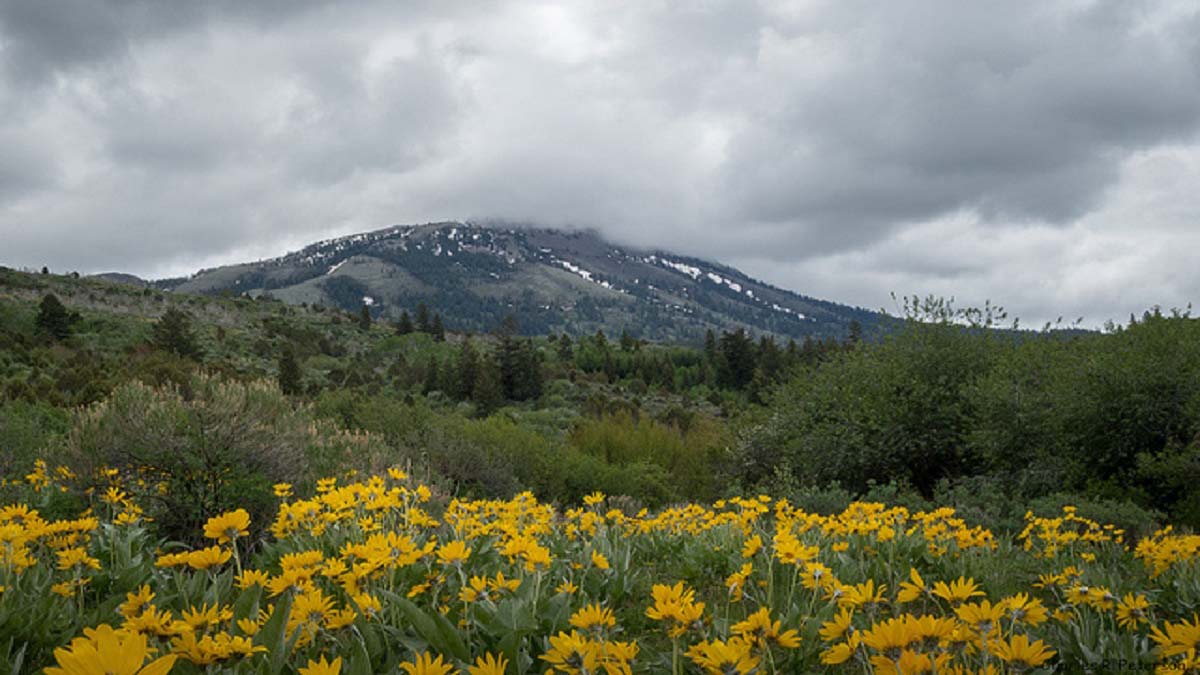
{"x": 1018, "y": 110}
{"x": 42, "y": 38}
{"x": 925, "y": 145}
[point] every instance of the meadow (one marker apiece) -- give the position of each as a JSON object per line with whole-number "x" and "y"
{"x": 224, "y": 485}
{"x": 381, "y": 574}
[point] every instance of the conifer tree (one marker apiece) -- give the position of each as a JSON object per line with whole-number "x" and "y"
{"x": 710, "y": 346}
{"x": 423, "y": 324}
{"x": 405, "y": 325}
{"x": 738, "y": 362}
{"x": 528, "y": 384}
{"x": 627, "y": 341}
{"x": 364, "y": 317}
{"x": 53, "y": 319}
{"x": 433, "y": 379}
{"x": 173, "y": 333}
{"x": 289, "y": 371}
{"x": 508, "y": 360}
{"x": 437, "y": 330}
{"x": 854, "y": 333}
{"x": 467, "y": 371}
{"x": 566, "y": 351}
{"x": 487, "y": 392}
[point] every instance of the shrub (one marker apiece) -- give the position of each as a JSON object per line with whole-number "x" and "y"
{"x": 221, "y": 448}
{"x": 27, "y": 428}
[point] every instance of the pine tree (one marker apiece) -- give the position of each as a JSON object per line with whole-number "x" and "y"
{"x": 566, "y": 351}
{"x": 53, "y": 319}
{"x": 289, "y": 371}
{"x": 467, "y": 372}
{"x": 710, "y": 346}
{"x": 508, "y": 326}
{"x": 508, "y": 358}
{"x": 770, "y": 358}
{"x": 528, "y": 385}
{"x": 759, "y": 387}
{"x": 627, "y": 341}
{"x": 405, "y": 325}
{"x": 488, "y": 391}
{"x": 364, "y": 317}
{"x": 738, "y": 362}
{"x": 433, "y": 379}
{"x": 173, "y": 333}
{"x": 422, "y": 318}
{"x": 854, "y": 334}
{"x": 437, "y": 329}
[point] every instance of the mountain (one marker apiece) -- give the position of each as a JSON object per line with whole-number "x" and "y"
{"x": 121, "y": 278}
{"x": 551, "y": 280}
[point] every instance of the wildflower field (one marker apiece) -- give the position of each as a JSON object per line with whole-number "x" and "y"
{"x": 378, "y": 575}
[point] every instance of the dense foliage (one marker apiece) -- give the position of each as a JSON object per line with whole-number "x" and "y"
{"x": 947, "y": 448}
{"x": 382, "y": 574}
{"x": 1109, "y": 416}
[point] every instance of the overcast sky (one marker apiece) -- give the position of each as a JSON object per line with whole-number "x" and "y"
{"x": 1042, "y": 154}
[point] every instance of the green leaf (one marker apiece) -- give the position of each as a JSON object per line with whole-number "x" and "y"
{"x": 359, "y": 662}
{"x": 247, "y": 603}
{"x": 436, "y": 630}
{"x": 515, "y": 615}
{"x": 273, "y": 635}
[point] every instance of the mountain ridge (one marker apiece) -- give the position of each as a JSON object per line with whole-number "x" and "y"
{"x": 551, "y": 280}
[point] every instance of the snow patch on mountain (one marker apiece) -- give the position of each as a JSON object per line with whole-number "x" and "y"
{"x": 693, "y": 272}
{"x": 587, "y": 276}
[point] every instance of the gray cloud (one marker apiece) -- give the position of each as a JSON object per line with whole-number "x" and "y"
{"x": 1042, "y": 154}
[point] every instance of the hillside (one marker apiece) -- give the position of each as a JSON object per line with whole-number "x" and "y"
{"x": 554, "y": 281}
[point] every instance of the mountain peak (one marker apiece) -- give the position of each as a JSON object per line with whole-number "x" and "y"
{"x": 572, "y": 281}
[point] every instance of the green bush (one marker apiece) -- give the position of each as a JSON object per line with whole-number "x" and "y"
{"x": 896, "y": 411}
{"x": 692, "y": 453}
{"x": 27, "y": 432}
{"x": 187, "y": 459}
{"x": 1110, "y": 417}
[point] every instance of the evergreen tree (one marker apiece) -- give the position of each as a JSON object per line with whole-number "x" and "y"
{"x": 738, "y": 362}
{"x": 289, "y": 371}
{"x": 600, "y": 340}
{"x": 627, "y": 342}
{"x": 809, "y": 353}
{"x": 405, "y": 325}
{"x": 437, "y": 329}
{"x": 488, "y": 391}
{"x": 53, "y": 319}
{"x": 508, "y": 326}
{"x": 710, "y": 346}
{"x": 467, "y": 371}
{"x": 423, "y": 318}
{"x": 759, "y": 387}
{"x": 528, "y": 384}
{"x": 566, "y": 351}
{"x": 508, "y": 360}
{"x": 432, "y": 378}
{"x": 770, "y": 358}
{"x": 173, "y": 333}
{"x": 854, "y": 334}
{"x": 364, "y": 317}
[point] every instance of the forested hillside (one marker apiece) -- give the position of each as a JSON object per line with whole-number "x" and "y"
{"x": 358, "y": 477}
{"x": 555, "y": 281}
{"x": 938, "y": 409}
